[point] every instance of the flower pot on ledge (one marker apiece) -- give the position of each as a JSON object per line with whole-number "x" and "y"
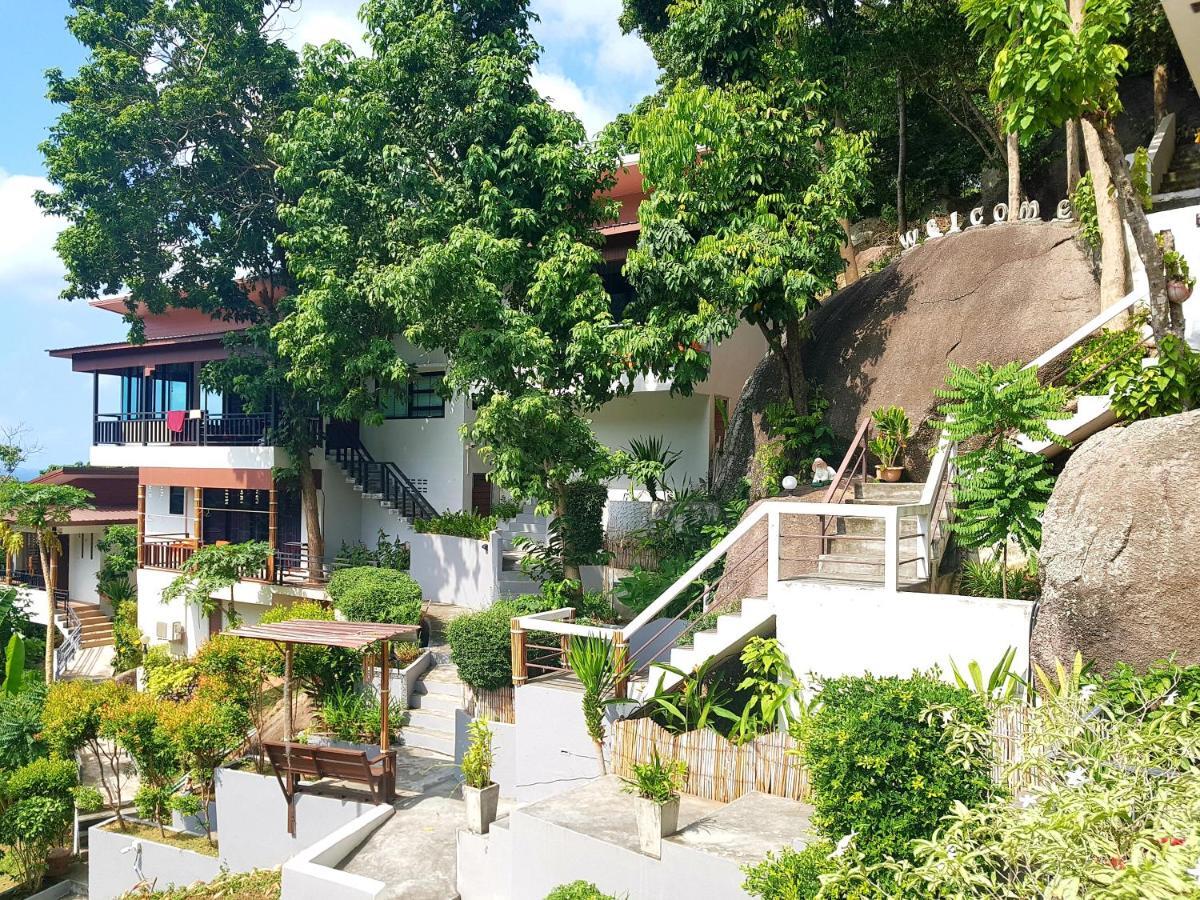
{"x": 1178, "y": 291}
{"x": 481, "y": 807}
{"x": 655, "y": 821}
{"x": 889, "y": 474}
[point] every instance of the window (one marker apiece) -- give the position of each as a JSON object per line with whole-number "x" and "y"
{"x": 175, "y": 501}
{"x": 419, "y": 399}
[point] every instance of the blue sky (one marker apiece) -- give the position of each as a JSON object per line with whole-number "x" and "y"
{"x": 588, "y": 66}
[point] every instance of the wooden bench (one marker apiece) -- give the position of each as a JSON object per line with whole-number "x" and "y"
{"x": 293, "y": 762}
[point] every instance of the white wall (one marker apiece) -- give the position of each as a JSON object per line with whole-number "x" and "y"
{"x": 158, "y": 511}
{"x": 341, "y": 508}
{"x": 166, "y": 456}
{"x": 429, "y": 449}
{"x": 849, "y": 631}
{"x": 86, "y": 559}
{"x": 683, "y": 423}
{"x": 1182, "y": 224}
{"x": 462, "y": 571}
{"x": 732, "y": 362}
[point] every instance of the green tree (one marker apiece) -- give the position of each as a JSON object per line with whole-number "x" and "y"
{"x": 1001, "y": 489}
{"x": 214, "y": 568}
{"x": 1050, "y": 68}
{"x": 163, "y": 172}
{"x": 441, "y": 201}
{"x": 42, "y": 509}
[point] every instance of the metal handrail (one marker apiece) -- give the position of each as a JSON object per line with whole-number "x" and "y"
{"x": 394, "y": 486}
{"x": 72, "y": 632}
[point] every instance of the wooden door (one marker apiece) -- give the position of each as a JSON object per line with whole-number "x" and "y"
{"x": 481, "y": 494}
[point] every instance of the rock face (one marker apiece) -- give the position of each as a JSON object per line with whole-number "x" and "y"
{"x": 993, "y": 294}
{"x": 1119, "y": 549}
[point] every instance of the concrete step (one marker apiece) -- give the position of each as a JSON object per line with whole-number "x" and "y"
{"x": 888, "y": 492}
{"x": 442, "y": 703}
{"x": 866, "y": 582}
{"x": 86, "y": 643}
{"x": 424, "y": 739}
{"x": 874, "y": 527}
{"x": 845, "y": 564}
{"x": 439, "y": 721}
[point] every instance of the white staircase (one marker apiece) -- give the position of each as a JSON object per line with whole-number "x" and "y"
{"x": 527, "y": 524}
{"x": 431, "y": 720}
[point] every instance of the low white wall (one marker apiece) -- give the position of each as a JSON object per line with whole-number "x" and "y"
{"x": 253, "y": 816}
{"x": 1182, "y": 224}
{"x": 846, "y": 631}
{"x": 504, "y": 751}
{"x": 312, "y": 874}
{"x": 485, "y": 863}
{"x": 173, "y": 456}
{"x": 462, "y": 571}
{"x": 112, "y": 872}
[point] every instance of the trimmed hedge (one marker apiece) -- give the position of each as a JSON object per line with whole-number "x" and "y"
{"x": 880, "y": 764}
{"x": 578, "y": 890}
{"x": 368, "y": 594}
{"x": 582, "y": 522}
{"x": 480, "y": 643}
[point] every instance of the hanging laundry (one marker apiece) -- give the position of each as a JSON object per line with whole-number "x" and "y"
{"x": 175, "y": 420}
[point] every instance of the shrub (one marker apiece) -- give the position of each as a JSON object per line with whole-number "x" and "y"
{"x": 480, "y": 643}
{"x": 982, "y": 579}
{"x": 174, "y": 680}
{"x": 880, "y": 759}
{"x": 457, "y": 524}
{"x": 578, "y": 890}
{"x": 582, "y": 522}
{"x": 1170, "y": 386}
{"x": 1099, "y": 359}
{"x": 356, "y": 715}
{"x": 36, "y": 803}
{"x": 658, "y": 780}
{"x": 127, "y": 637}
{"x": 406, "y": 652}
{"x": 368, "y": 594}
{"x": 790, "y": 875}
{"x": 477, "y": 760}
{"x": 119, "y": 545}
{"x": 320, "y": 670}
{"x": 21, "y": 739}
{"x": 506, "y": 509}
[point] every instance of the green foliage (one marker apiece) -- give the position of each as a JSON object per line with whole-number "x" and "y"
{"x": 983, "y": 579}
{"x": 1158, "y": 697}
{"x": 14, "y": 615}
{"x": 36, "y": 803}
{"x": 1001, "y": 489}
{"x": 772, "y": 688}
{"x": 376, "y": 595}
{"x": 582, "y": 522}
{"x": 321, "y": 671}
{"x": 138, "y": 725}
{"x": 578, "y": 890}
{"x": 504, "y": 510}
{"x": 1001, "y": 683}
{"x": 119, "y": 546}
{"x": 480, "y": 643}
{"x": 21, "y": 740}
{"x": 1083, "y": 202}
{"x": 1096, "y": 363}
{"x": 1139, "y": 176}
{"x": 1176, "y": 265}
{"x": 893, "y": 421}
{"x": 1170, "y": 386}
{"x": 595, "y": 662}
{"x": 477, "y": 760}
{"x": 641, "y": 587}
{"x": 790, "y": 874}
{"x": 127, "y": 637}
{"x": 14, "y": 667}
{"x": 72, "y": 713}
{"x": 885, "y": 448}
{"x": 700, "y": 702}
{"x": 457, "y": 524}
{"x": 169, "y": 677}
{"x": 805, "y": 436}
{"x": 658, "y": 780}
{"x": 214, "y": 568}
{"x": 768, "y": 467}
{"x": 357, "y": 715}
{"x": 650, "y": 459}
{"x": 881, "y": 762}
{"x": 389, "y": 553}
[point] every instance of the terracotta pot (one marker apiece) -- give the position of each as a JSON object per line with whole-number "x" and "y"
{"x": 1178, "y": 291}
{"x": 889, "y": 473}
{"x": 58, "y": 861}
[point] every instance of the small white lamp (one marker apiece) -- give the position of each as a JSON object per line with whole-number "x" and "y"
{"x": 789, "y": 482}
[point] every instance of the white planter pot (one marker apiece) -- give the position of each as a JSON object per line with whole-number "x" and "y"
{"x": 655, "y": 822}
{"x": 481, "y": 807}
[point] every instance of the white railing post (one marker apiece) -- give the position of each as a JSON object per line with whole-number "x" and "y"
{"x": 891, "y": 550}
{"x": 772, "y": 551}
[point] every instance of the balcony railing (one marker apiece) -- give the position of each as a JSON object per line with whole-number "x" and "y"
{"x": 291, "y": 561}
{"x": 221, "y": 430}
{"x": 35, "y": 580}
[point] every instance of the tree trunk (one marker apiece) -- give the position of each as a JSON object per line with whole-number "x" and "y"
{"x": 901, "y": 156}
{"x": 849, "y": 255}
{"x": 49, "y": 562}
{"x": 1160, "y": 93}
{"x": 1165, "y": 317}
{"x": 1004, "y": 571}
{"x": 1072, "y": 131}
{"x": 570, "y": 569}
{"x": 1013, "y": 149}
{"x": 312, "y": 516}
{"x": 1114, "y": 254}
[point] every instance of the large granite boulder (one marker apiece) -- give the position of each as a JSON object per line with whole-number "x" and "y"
{"x": 1120, "y": 561}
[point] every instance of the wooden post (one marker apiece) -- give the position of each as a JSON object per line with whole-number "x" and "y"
{"x": 141, "y": 525}
{"x": 384, "y": 695}
{"x": 564, "y": 641}
{"x": 287, "y": 691}
{"x": 272, "y": 531}
{"x": 620, "y": 664}
{"x": 520, "y": 672}
{"x": 198, "y": 515}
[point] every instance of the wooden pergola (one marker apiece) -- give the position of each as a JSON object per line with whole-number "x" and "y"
{"x": 300, "y": 759}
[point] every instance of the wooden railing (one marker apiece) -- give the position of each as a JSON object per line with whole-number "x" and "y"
{"x": 169, "y": 554}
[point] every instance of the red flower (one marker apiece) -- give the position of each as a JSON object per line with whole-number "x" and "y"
{"x": 1116, "y": 862}
{"x": 1172, "y": 841}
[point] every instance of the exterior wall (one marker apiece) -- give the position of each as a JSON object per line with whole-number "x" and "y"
{"x": 848, "y": 631}
{"x": 683, "y": 423}
{"x": 427, "y": 449}
{"x": 166, "y": 456}
{"x": 342, "y": 508}
{"x": 86, "y": 559}
{"x": 159, "y": 519}
{"x": 312, "y": 873}
{"x": 111, "y": 872}
{"x": 1182, "y": 224}
{"x": 462, "y": 571}
{"x": 732, "y": 362}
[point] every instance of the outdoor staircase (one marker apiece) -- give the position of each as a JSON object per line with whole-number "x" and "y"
{"x": 435, "y": 698}
{"x": 379, "y": 480}
{"x": 1184, "y": 174}
{"x": 96, "y": 627}
{"x": 528, "y": 524}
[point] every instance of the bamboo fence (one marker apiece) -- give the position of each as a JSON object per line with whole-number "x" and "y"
{"x": 496, "y": 706}
{"x": 717, "y": 769}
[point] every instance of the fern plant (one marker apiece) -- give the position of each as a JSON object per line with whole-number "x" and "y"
{"x": 1001, "y": 489}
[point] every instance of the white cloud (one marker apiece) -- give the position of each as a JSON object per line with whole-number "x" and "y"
{"x": 27, "y": 260}
{"x": 565, "y": 94}
{"x": 318, "y": 21}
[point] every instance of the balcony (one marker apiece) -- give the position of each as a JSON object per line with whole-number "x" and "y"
{"x": 289, "y": 564}
{"x": 190, "y": 429}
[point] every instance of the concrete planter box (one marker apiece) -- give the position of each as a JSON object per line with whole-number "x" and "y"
{"x": 325, "y": 740}
{"x": 402, "y": 682}
{"x": 481, "y": 807}
{"x": 655, "y": 822}
{"x": 112, "y": 872}
{"x": 193, "y": 824}
{"x": 624, "y": 516}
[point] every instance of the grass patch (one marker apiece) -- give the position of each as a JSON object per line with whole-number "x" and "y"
{"x": 261, "y": 884}
{"x": 197, "y": 843}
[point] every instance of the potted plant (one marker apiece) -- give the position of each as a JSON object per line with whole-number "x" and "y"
{"x": 656, "y": 785}
{"x": 482, "y": 795}
{"x": 892, "y": 433}
{"x": 1179, "y": 280}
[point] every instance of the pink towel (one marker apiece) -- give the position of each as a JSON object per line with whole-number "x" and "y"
{"x": 175, "y": 420}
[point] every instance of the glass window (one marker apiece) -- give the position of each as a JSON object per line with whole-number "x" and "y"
{"x": 131, "y": 393}
{"x": 169, "y": 387}
{"x": 419, "y": 399}
{"x": 175, "y": 501}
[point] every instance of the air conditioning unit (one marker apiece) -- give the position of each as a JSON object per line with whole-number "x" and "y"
{"x": 168, "y": 631}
